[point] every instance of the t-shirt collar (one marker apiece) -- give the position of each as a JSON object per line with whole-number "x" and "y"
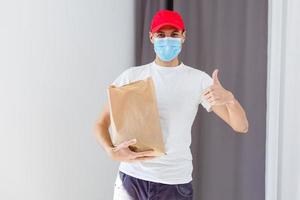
{"x": 163, "y": 68}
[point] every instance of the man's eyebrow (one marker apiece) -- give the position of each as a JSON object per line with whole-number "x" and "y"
{"x": 177, "y": 31}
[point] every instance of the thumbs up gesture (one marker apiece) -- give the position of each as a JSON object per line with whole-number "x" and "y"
{"x": 216, "y": 94}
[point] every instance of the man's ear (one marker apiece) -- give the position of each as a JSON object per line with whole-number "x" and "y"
{"x": 151, "y": 37}
{"x": 183, "y": 36}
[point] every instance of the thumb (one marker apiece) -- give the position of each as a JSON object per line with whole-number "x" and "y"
{"x": 215, "y": 77}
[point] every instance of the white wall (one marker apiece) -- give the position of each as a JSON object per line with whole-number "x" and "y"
{"x": 56, "y": 59}
{"x": 283, "y": 130}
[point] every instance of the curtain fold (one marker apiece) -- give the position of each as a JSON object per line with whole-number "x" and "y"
{"x": 144, "y": 10}
{"x": 283, "y": 128}
{"x": 231, "y": 36}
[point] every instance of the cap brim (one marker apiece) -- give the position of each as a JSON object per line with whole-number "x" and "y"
{"x": 166, "y": 24}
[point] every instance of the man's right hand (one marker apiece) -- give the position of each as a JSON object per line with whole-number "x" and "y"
{"x": 123, "y": 153}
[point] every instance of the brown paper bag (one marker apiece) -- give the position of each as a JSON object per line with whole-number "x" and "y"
{"x": 134, "y": 114}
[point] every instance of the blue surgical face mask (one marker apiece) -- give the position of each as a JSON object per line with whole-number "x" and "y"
{"x": 167, "y": 48}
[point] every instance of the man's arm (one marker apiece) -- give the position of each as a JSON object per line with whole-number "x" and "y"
{"x": 225, "y": 105}
{"x": 122, "y": 151}
{"x": 233, "y": 114}
{"x": 101, "y": 130}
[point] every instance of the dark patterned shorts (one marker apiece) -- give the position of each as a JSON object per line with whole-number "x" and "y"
{"x": 140, "y": 189}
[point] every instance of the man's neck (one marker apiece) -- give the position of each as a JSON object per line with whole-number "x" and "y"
{"x": 173, "y": 63}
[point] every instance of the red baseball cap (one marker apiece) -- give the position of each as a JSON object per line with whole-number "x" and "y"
{"x": 164, "y": 18}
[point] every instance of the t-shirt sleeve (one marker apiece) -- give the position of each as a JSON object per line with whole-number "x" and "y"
{"x": 206, "y": 82}
{"x": 122, "y": 79}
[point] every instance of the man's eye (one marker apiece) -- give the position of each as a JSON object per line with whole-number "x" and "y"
{"x": 160, "y": 35}
{"x": 175, "y": 35}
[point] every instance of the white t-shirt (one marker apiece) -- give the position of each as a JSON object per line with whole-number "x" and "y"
{"x": 178, "y": 93}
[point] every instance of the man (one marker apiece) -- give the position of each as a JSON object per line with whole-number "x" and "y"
{"x": 179, "y": 91}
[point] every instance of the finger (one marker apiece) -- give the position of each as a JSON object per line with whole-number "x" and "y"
{"x": 208, "y": 94}
{"x": 209, "y": 99}
{"x": 207, "y": 91}
{"x": 144, "y": 158}
{"x": 211, "y": 95}
{"x": 130, "y": 161}
{"x": 128, "y": 143}
{"x": 213, "y": 100}
{"x": 124, "y": 144}
{"x": 215, "y": 77}
{"x": 136, "y": 159}
{"x": 144, "y": 153}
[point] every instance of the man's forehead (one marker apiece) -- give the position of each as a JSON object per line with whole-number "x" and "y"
{"x": 165, "y": 29}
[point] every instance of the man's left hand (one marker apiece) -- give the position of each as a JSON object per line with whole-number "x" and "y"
{"x": 216, "y": 94}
